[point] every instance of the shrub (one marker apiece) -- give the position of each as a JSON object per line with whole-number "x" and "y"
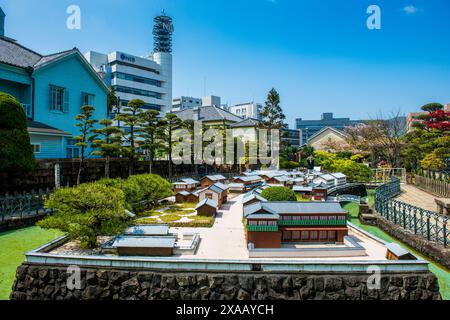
{"x": 16, "y": 155}
{"x": 148, "y": 188}
{"x": 279, "y": 194}
{"x": 86, "y": 212}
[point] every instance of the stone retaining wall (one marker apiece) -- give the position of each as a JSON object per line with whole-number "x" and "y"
{"x": 430, "y": 249}
{"x": 38, "y": 282}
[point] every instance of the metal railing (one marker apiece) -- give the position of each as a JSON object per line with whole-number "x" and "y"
{"x": 23, "y": 205}
{"x": 427, "y": 224}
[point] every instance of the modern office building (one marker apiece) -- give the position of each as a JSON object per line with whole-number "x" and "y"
{"x": 146, "y": 78}
{"x": 248, "y": 110}
{"x": 183, "y": 103}
{"x": 310, "y": 127}
{"x": 51, "y": 88}
{"x": 292, "y": 136}
{"x": 211, "y": 101}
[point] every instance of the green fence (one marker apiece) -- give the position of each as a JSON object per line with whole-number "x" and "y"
{"x": 428, "y": 224}
{"x": 23, "y": 205}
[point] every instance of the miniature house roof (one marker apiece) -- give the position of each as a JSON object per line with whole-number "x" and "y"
{"x": 294, "y": 208}
{"x": 249, "y": 178}
{"x": 251, "y": 197}
{"x": 327, "y": 177}
{"x": 207, "y": 202}
{"x": 216, "y": 177}
{"x": 339, "y": 175}
{"x": 189, "y": 181}
{"x": 184, "y": 193}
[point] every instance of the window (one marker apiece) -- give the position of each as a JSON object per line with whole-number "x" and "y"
{"x": 36, "y": 147}
{"x": 72, "y": 151}
{"x": 323, "y": 235}
{"x": 134, "y": 78}
{"x": 140, "y": 92}
{"x": 262, "y": 223}
{"x": 272, "y": 223}
{"x": 314, "y": 235}
{"x": 87, "y": 99}
{"x": 59, "y": 99}
{"x": 331, "y": 218}
{"x": 332, "y": 235}
{"x": 252, "y": 223}
{"x": 305, "y": 235}
{"x": 209, "y": 195}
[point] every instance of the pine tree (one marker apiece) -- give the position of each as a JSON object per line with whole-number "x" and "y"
{"x": 108, "y": 143}
{"x": 170, "y": 123}
{"x": 132, "y": 120}
{"x": 87, "y": 134}
{"x": 272, "y": 114}
{"x": 150, "y": 132}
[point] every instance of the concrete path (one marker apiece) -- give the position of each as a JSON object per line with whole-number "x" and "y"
{"x": 418, "y": 198}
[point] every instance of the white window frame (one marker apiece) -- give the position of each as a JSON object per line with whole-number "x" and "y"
{"x": 34, "y": 145}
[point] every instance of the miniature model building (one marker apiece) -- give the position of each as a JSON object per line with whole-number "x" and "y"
{"x": 245, "y": 183}
{"x": 210, "y": 180}
{"x": 269, "y": 224}
{"x": 185, "y": 196}
{"x": 207, "y": 208}
{"x": 320, "y": 192}
{"x": 217, "y": 192}
{"x": 187, "y": 184}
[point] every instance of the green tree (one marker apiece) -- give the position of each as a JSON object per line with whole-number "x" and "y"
{"x": 272, "y": 114}
{"x": 16, "y": 155}
{"x": 169, "y": 124}
{"x": 150, "y": 133}
{"x": 132, "y": 119}
{"x": 86, "y": 212}
{"x": 85, "y": 123}
{"x": 279, "y": 194}
{"x": 108, "y": 143}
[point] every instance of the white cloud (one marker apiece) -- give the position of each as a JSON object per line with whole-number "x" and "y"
{"x": 410, "y": 9}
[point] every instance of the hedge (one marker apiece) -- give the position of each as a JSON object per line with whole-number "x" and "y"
{"x": 279, "y": 194}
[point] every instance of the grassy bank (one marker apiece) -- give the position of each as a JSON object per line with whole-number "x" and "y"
{"x": 14, "y": 244}
{"x": 441, "y": 272}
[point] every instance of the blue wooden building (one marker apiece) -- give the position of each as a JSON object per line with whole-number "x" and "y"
{"x": 51, "y": 88}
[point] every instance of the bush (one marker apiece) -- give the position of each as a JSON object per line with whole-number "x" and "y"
{"x": 148, "y": 188}
{"x": 279, "y": 194}
{"x": 16, "y": 155}
{"x": 86, "y": 212}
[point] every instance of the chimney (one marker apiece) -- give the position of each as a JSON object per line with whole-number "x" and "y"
{"x": 2, "y": 23}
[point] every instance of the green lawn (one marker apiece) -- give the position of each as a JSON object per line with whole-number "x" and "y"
{"x": 440, "y": 271}
{"x": 14, "y": 244}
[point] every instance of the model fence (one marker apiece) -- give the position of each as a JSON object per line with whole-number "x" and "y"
{"x": 427, "y": 224}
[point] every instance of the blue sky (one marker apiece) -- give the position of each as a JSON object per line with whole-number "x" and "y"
{"x": 319, "y": 55}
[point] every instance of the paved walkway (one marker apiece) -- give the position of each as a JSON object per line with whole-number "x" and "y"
{"x": 418, "y": 198}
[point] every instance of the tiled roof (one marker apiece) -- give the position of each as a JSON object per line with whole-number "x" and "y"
{"x": 207, "y": 202}
{"x": 245, "y": 123}
{"x": 295, "y": 208}
{"x": 50, "y": 58}
{"x": 17, "y": 55}
{"x": 210, "y": 113}
{"x": 190, "y": 181}
{"x": 339, "y": 175}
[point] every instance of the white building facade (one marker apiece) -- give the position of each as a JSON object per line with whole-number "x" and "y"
{"x": 183, "y": 103}
{"x": 247, "y": 110}
{"x": 146, "y": 78}
{"x": 132, "y": 77}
